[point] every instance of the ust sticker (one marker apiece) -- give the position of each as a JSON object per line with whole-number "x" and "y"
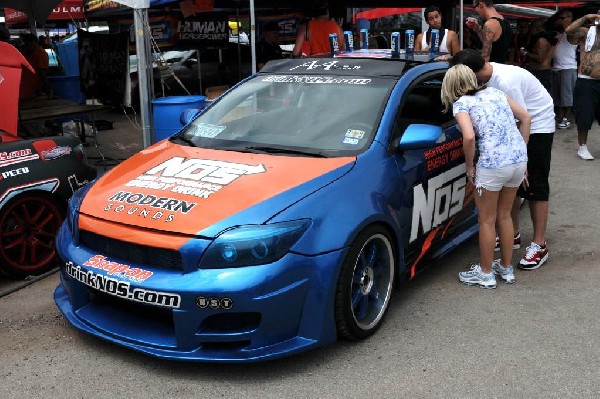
{"x": 355, "y": 134}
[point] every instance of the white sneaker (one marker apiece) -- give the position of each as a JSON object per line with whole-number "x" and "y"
{"x": 584, "y": 153}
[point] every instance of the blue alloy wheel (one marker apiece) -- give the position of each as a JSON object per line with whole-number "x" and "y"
{"x": 365, "y": 284}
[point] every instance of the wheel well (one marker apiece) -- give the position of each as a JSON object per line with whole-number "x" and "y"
{"x": 55, "y": 198}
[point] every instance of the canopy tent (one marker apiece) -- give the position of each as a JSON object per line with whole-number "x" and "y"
{"x": 36, "y": 10}
{"x": 67, "y": 10}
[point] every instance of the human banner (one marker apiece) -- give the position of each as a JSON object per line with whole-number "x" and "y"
{"x": 103, "y": 65}
{"x": 209, "y": 29}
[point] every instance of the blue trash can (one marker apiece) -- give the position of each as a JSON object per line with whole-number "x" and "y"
{"x": 167, "y": 111}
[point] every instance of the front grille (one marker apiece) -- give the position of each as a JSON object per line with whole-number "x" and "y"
{"x": 131, "y": 253}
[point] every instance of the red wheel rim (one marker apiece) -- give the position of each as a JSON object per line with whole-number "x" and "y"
{"x": 28, "y": 227}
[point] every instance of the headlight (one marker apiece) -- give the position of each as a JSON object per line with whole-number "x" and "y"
{"x": 253, "y": 245}
{"x": 73, "y": 211}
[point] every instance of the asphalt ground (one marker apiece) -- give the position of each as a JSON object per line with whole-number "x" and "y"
{"x": 537, "y": 338}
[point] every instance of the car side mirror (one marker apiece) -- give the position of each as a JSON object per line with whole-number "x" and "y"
{"x": 188, "y": 115}
{"x": 418, "y": 135}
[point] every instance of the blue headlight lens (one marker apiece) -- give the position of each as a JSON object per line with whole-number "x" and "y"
{"x": 253, "y": 245}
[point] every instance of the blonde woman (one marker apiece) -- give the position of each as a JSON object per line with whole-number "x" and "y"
{"x": 489, "y": 115}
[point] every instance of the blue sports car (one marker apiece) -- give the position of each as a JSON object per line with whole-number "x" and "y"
{"x": 278, "y": 220}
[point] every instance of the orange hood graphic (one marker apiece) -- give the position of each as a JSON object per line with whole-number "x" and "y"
{"x": 174, "y": 188}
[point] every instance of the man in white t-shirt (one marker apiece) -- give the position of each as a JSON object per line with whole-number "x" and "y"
{"x": 564, "y": 69}
{"x": 521, "y": 86}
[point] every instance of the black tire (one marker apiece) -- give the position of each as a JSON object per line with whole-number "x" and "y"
{"x": 28, "y": 226}
{"x": 365, "y": 284}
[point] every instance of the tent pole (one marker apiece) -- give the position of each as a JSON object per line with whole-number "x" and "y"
{"x": 253, "y": 36}
{"x": 142, "y": 48}
{"x": 461, "y": 25}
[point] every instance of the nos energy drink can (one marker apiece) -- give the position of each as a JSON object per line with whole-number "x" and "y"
{"x": 409, "y": 42}
{"x": 395, "y": 44}
{"x": 364, "y": 39}
{"x": 349, "y": 39}
{"x": 334, "y": 45}
{"x": 434, "y": 45}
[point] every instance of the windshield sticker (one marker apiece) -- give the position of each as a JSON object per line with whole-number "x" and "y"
{"x": 323, "y": 80}
{"x": 353, "y": 136}
{"x": 205, "y": 130}
{"x": 326, "y": 66}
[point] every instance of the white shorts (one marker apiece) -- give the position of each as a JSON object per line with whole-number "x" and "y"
{"x": 495, "y": 179}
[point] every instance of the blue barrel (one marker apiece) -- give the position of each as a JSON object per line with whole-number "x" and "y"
{"x": 67, "y": 87}
{"x": 68, "y": 55}
{"x": 167, "y": 112}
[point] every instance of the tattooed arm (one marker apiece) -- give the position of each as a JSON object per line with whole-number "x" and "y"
{"x": 490, "y": 32}
{"x": 576, "y": 30}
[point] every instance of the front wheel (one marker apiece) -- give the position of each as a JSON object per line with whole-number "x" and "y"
{"x": 365, "y": 284}
{"x": 28, "y": 225}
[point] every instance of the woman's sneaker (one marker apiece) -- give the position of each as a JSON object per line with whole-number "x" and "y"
{"x": 476, "y": 277}
{"x": 535, "y": 256}
{"x": 516, "y": 242}
{"x": 507, "y": 274}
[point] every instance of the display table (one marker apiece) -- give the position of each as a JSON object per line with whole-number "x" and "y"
{"x": 41, "y": 108}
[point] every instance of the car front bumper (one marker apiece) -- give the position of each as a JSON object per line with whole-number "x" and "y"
{"x": 222, "y": 315}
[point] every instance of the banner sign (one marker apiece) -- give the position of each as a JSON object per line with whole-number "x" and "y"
{"x": 99, "y": 5}
{"x": 210, "y": 29}
{"x": 161, "y": 29}
{"x": 66, "y": 11}
{"x": 103, "y": 61}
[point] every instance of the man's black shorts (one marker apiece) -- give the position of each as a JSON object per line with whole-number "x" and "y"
{"x": 586, "y": 103}
{"x": 539, "y": 154}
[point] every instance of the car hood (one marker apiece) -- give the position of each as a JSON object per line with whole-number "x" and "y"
{"x": 190, "y": 190}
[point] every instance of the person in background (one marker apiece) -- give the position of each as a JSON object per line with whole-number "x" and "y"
{"x": 489, "y": 115}
{"x": 519, "y": 41}
{"x": 267, "y": 48}
{"x": 448, "y": 38}
{"x": 34, "y": 84}
{"x": 539, "y": 53}
{"x": 564, "y": 69}
{"x": 586, "y": 95}
{"x": 495, "y": 34}
{"x": 316, "y": 31}
{"x": 520, "y": 85}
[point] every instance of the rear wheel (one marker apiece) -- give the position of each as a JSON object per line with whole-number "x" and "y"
{"x": 365, "y": 284}
{"x": 28, "y": 225}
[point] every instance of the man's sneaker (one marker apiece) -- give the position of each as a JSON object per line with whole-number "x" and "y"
{"x": 516, "y": 242}
{"x": 584, "y": 153}
{"x": 476, "y": 277}
{"x": 505, "y": 273}
{"x": 535, "y": 256}
{"x": 563, "y": 124}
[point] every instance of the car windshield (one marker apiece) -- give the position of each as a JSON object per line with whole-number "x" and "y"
{"x": 302, "y": 115}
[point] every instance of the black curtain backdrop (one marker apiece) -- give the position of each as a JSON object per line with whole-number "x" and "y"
{"x": 103, "y": 65}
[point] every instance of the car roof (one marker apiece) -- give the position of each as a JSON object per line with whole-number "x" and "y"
{"x": 367, "y": 63}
